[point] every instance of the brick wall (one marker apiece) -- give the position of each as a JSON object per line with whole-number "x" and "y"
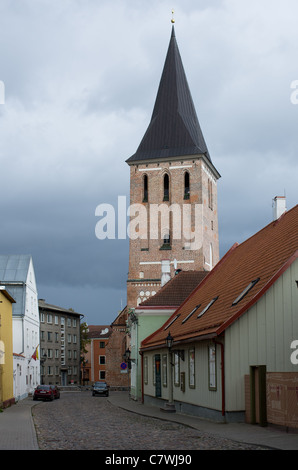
{"x": 282, "y": 399}
{"x": 146, "y": 252}
{"x": 115, "y": 349}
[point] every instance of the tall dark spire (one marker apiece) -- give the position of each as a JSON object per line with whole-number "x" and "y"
{"x": 174, "y": 129}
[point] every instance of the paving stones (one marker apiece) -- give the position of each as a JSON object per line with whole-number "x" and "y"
{"x": 78, "y": 421}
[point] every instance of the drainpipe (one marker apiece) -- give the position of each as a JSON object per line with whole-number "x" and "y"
{"x": 92, "y": 362}
{"x": 223, "y": 394}
{"x": 142, "y": 376}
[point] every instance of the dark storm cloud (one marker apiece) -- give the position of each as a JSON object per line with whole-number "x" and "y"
{"x": 80, "y": 82}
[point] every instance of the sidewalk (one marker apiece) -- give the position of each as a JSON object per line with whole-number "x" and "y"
{"x": 16, "y": 427}
{"x": 240, "y": 432}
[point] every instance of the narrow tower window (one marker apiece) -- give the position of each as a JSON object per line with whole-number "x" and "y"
{"x": 166, "y": 239}
{"x": 186, "y": 185}
{"x": 166, "y": 186}
{"x": 145, "y": 189}
{"x": 210, "y": 195}
{"x": 166, "y": 242}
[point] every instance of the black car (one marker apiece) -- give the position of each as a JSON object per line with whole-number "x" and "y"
{"x": 100, "y": 388}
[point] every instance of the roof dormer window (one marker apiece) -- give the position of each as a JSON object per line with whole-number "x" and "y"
{"x": 207, "y": 307}
{"x": 191, "y": 313}
{"x": 245, "y": 291}
{"x": 171, "y": 323}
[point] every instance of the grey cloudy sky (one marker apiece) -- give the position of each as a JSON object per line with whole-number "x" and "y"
{"x": 81, "y": 79}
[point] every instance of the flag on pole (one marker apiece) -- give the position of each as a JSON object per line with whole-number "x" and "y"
{"x": 35, "y": 354}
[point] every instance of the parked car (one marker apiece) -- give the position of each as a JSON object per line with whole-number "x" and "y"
{"x": 100, "y": 388}
{"x": 43, "y": 392}
{"x": 56, "y": 391}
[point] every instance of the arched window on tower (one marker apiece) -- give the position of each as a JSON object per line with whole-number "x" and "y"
{"x": 145, "y": 188}
{"x": 166, "y": 186}
{"x": 186, "y": 185}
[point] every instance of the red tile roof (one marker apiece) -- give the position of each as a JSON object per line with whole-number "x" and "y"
{"x": 263, "y": 257}
{"x": 174, "y": 292}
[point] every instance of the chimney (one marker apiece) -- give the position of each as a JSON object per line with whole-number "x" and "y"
{"x": 165, "y": 271}
{"x": 279, "y": 206}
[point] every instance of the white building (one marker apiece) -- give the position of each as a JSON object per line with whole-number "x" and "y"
{"x": 17, "y": 273}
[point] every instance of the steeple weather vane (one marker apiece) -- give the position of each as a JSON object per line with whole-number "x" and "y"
{"x": 173, "y": 19}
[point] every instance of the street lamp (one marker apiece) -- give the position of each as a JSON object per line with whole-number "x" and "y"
{"x": 126, "y": 357}
{"x": 169, "y": 341}
{"x": 170, "y": 407}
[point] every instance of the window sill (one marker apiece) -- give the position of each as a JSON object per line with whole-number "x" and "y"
{"x": 165, "y": 247}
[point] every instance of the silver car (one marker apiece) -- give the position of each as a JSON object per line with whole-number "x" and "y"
{"x": 100, "y": 388}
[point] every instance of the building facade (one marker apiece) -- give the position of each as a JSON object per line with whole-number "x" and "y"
{"x": 94, "y": 361}
{"x": 173, "y": 185}
{"x": 233, "y": 354}
{"x": 6, "y": 350}
{"x": 17, "y": 274}
{"x": 152, "y": 314}
{"x": 59, "y": 345}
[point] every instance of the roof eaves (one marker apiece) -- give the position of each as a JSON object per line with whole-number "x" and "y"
{"x": 156, "y": 307}
{"x": 55, "y": 308}
{"x": 190, "y": 339}
{"x": 7, "y": 294}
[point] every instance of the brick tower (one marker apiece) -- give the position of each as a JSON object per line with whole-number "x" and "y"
{"x": 173, "y": 190}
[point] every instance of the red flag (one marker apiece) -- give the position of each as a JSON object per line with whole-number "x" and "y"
{"x": 35, "y": 354}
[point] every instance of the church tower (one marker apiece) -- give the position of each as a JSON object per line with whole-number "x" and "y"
{"x": 173, "y": 190}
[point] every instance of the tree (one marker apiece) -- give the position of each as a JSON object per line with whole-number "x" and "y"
{"x": 84, "y": 340}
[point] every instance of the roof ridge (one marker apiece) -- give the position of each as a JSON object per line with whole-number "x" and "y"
{"x": 169, "y": 285}
{"x": 273, "y": 223}
{"x": 260, "y": 293}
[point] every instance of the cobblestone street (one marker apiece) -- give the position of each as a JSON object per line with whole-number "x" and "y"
{"x": 78, "y": 421}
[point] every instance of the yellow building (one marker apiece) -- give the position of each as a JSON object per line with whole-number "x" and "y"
{"x": 6, "y": 349}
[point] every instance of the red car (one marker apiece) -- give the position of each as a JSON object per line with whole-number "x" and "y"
{"x": 44, "y": 392}
{"x": 56, "y": 391}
